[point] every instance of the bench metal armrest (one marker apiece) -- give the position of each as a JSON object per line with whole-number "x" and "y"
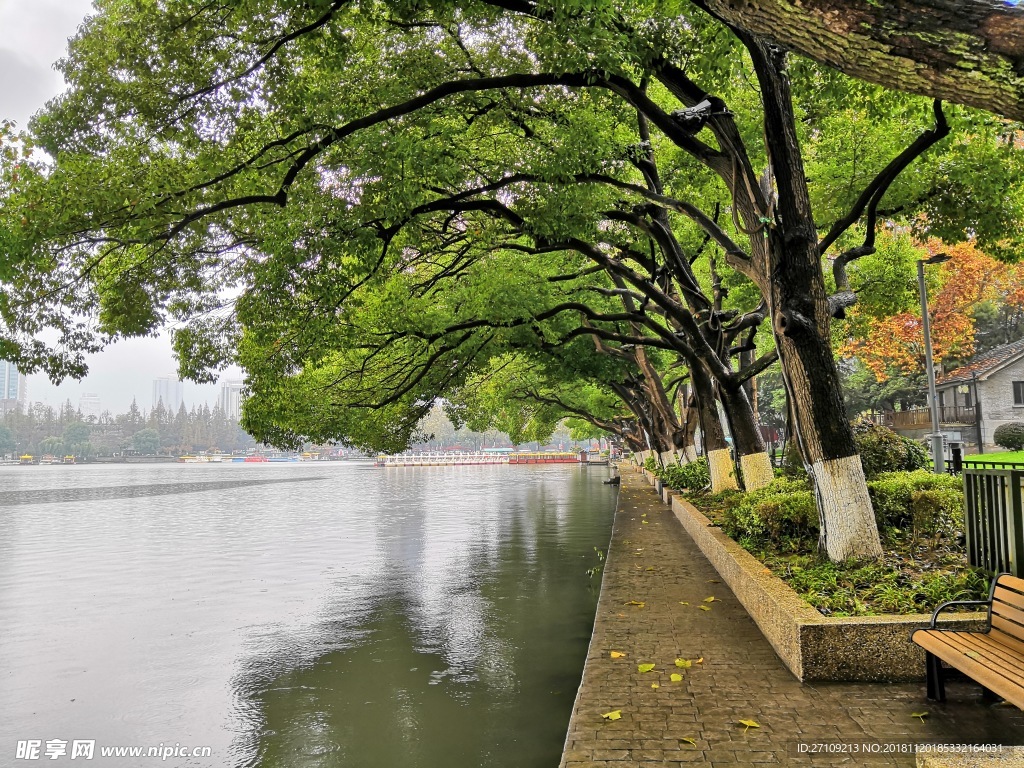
{"x": 935, "y": 616}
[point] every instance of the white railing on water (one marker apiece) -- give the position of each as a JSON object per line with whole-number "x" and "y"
{"x": 440, "y": 459}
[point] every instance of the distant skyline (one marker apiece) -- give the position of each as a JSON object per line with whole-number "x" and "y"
{"x": 33, "y": 36}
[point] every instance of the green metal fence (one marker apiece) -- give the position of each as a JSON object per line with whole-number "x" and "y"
{"x": 994, "y": 520}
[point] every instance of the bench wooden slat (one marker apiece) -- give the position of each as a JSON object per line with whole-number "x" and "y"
{"x": 932, "y": 641}
{"x": 1011, "y": 628}
{"x": 1009, "y": 596}
{"x": 1014, "y": 644}
{"x": 981, "y": 649}
{"x": 1011, "y": 613}
{"x": 1011, "y": 582}
{"x": 1000, "y": 655}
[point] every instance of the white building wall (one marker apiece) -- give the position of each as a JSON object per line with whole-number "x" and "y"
{"x": 13, "y": 387}
{"x": 90, "y": 405}
{"x": 231, "y": 399}
{"x": 996, "y": 393}
{"x": 170, "y": 391}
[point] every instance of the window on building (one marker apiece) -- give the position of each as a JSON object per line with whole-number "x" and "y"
{"x": 1018, "y": 393}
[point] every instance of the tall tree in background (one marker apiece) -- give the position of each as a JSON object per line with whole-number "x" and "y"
{"x": 886, "y": 334}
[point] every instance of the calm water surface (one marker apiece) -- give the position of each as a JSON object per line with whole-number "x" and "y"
{"x": 315, "y": 614}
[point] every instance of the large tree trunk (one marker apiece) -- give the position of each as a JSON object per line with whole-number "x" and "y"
{"x": 964, "y": 51}
{"x": 801, "y": 322}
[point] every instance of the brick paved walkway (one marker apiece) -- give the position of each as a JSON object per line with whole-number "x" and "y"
{"x": 653, "y": 561}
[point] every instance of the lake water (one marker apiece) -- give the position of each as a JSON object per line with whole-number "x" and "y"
{"x": 312, "y": 614}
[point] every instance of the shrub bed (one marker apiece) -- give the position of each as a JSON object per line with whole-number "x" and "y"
{"x": 686, "y": 477}
{"x": 920, "y": 517}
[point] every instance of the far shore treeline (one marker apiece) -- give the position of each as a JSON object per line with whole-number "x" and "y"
{"x": 44, "y": 430}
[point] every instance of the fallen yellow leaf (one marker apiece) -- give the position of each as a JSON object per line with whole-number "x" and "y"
{"x": 700, "y": 660}
{"x": 705, "y": 607}
{"x": 641, "y": 668}
{"x": 688, "y": 740}
{"x": 644, "y": 522}
{"x": 675, "y": 677}
{"x": 649, "y": 568}
{"x": 919, "y": 715}
{"x": 750, "y": 724}
{"x": 617, "y": 654}
{"x": 614, "y": 715}
{"x": 637, "y": 603}
{"x": 655, "y": 686}
{"x": 683, "y": 663}
{"x": 710, "y": 599}
{"x": 683, "y": 602}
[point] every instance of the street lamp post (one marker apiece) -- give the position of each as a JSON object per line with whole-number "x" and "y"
{"x": 938, "y": 461}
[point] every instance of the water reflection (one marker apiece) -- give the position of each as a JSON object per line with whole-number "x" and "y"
{"x": 427, "y": 617}
{"x": 470, "y": 649}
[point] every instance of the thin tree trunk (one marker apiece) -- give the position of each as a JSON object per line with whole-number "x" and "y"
{"x": 755, "y": 463}
{"x": 720, "y": 465}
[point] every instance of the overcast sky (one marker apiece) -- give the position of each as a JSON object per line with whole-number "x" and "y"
{"x": 33, "y": 35}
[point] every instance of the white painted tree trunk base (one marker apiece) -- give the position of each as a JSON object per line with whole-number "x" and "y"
{"x": 723, "y": 478}
{"x": 667, "y": 458}
{"x": 848, "y": 520}
{"x": 757, "y": 470}
{"x": 689, "y": 454}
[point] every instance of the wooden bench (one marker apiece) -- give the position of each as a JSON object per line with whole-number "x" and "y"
{"x": 993, "y": 657}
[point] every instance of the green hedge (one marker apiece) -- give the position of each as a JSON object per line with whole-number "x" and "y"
{"x": 881, "y": 450}
{"x": 784, "y": 515}
{"x": 928, "y": 503}
{"x": 687, "y": 477}
{"x": 1010, "y": 436}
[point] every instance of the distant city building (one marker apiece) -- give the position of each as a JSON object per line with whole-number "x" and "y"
{"x": 231, "y": 399}
{"x": 89, "y": 405}
{"x": 169, "y": 391}
{"x": 13, "y": 389}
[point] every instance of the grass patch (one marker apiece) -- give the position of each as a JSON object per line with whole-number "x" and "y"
{"x": 920, "y": 517}
{"x": 1006, "y": 457}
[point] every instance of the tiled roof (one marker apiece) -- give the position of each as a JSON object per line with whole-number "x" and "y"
{"x": 983, "y": 363}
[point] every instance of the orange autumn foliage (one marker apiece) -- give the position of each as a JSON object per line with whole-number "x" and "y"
{"x": 896, "y": 343}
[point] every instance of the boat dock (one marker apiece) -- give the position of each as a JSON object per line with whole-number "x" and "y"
{"x": 464, "y": 458}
